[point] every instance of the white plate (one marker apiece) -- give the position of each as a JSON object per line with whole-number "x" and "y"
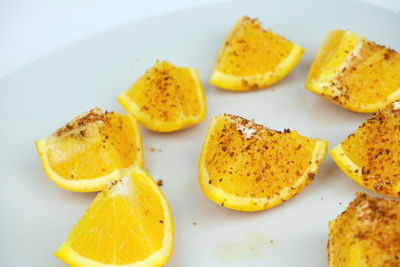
{"x": 37, "y": 215}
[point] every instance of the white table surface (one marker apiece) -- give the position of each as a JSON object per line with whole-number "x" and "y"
{"x": 30, "y": 30}
{"x": 37, "y": 215}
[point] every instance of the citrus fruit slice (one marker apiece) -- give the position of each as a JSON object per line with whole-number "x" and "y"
{"x": 355, "y": 73}
{"x": 166, "y": 98}
{"x": 366, "y": 234}
{"x": 252, "y": 58}
{"x": 128, "y": 224}
{"x": 90, "y": 150}
{"x": 246, "y": 166}
{"x": 371, "y": 155}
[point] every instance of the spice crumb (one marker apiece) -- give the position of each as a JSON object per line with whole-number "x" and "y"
{"x": 160, "y": 182}
{"x": 194, "y": 223}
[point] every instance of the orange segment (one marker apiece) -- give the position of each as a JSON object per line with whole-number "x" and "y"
{"x": 371, "y": 155}
{"x": 246, "y": 166}
{"x": 128, "y": 224}
{"x": 355, "y": 73}
{"x": 366, "y": 234}
{"x": 91, "y": 150}
{"x": 166, "y": 98}
{"x": 253, "y": 58}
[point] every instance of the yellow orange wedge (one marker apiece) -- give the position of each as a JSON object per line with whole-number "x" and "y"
{"x": 355, "y": 73}
{"x": 128, "y": 224}
{"x": 90, "y": 150}
{"x": 166, "y": 98}
{"x": 371, "y": 155}
{"x": 246, "y": 166}
{"x": 367, "y": 234}
{"x": 252, "y": 58}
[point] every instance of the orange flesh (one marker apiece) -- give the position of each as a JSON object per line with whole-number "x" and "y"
{"x": 371, "y": 76}
{"x": 250, "y": 50}
{"x": 166, "y": 93}
{"x": 137, "y": 226}
{"x": 355, "y": 73}
{"x": 328, "y": 56}
{"x": 374, "y": 146}
{"x": 95, "y": 149}
{"x": 259, "y": 166}
{"x": 366, "y": 234}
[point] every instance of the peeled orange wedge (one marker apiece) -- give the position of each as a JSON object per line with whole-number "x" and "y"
{"x": 90, "y": 150}
{"x": 366, "y": 234}
{"x": 371, "y": 155}
{"x": 166, "y": 98}
{"x": 252, "y": 58}
{"x": 246, "y": 166}
{"x": 128, "y": 224}
{"x": 355, "y": 73}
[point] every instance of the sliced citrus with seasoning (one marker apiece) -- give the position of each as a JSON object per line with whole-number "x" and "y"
{"x": 253, "y": 58}
{"x": 366, "y": 234}
{"x": 90, "y": 150}
{"x": 371, "y": 155}
{"x": 355, "y": 73}
{"x": 166, "y": 98}
{"x": 128, "y": 224}
{"x": 246, "y": 166}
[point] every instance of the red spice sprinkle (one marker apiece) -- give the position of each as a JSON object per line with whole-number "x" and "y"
{"x": 92, "y": 116}
{"x": 160, "y": 182}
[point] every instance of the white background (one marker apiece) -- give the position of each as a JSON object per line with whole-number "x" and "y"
{"x": 32, "y": 29}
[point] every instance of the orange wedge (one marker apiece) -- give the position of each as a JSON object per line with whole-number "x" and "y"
{"x": 246, "y": 166}
{"x": 371, "y": 155}
{"x": 166, "y": 98}
{"x": 91, "y": 150}
{"x": 366, "y": 234}
{"x": 252, "y": 58}
{"x": 355, "y": 73}
{"x": 128, "y": 224}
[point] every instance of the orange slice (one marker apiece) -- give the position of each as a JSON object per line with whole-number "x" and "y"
{"x": 166, "y": 98}
{"x": 366, "y": 234}
{"x": 90, "y": 150}
{"x": 252, "y": 58}
{"x": 246, "y": 166}
{"x": 371, "y": 155}
{"x": 128, "y": 224}
{"x": 355, "y": 73}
